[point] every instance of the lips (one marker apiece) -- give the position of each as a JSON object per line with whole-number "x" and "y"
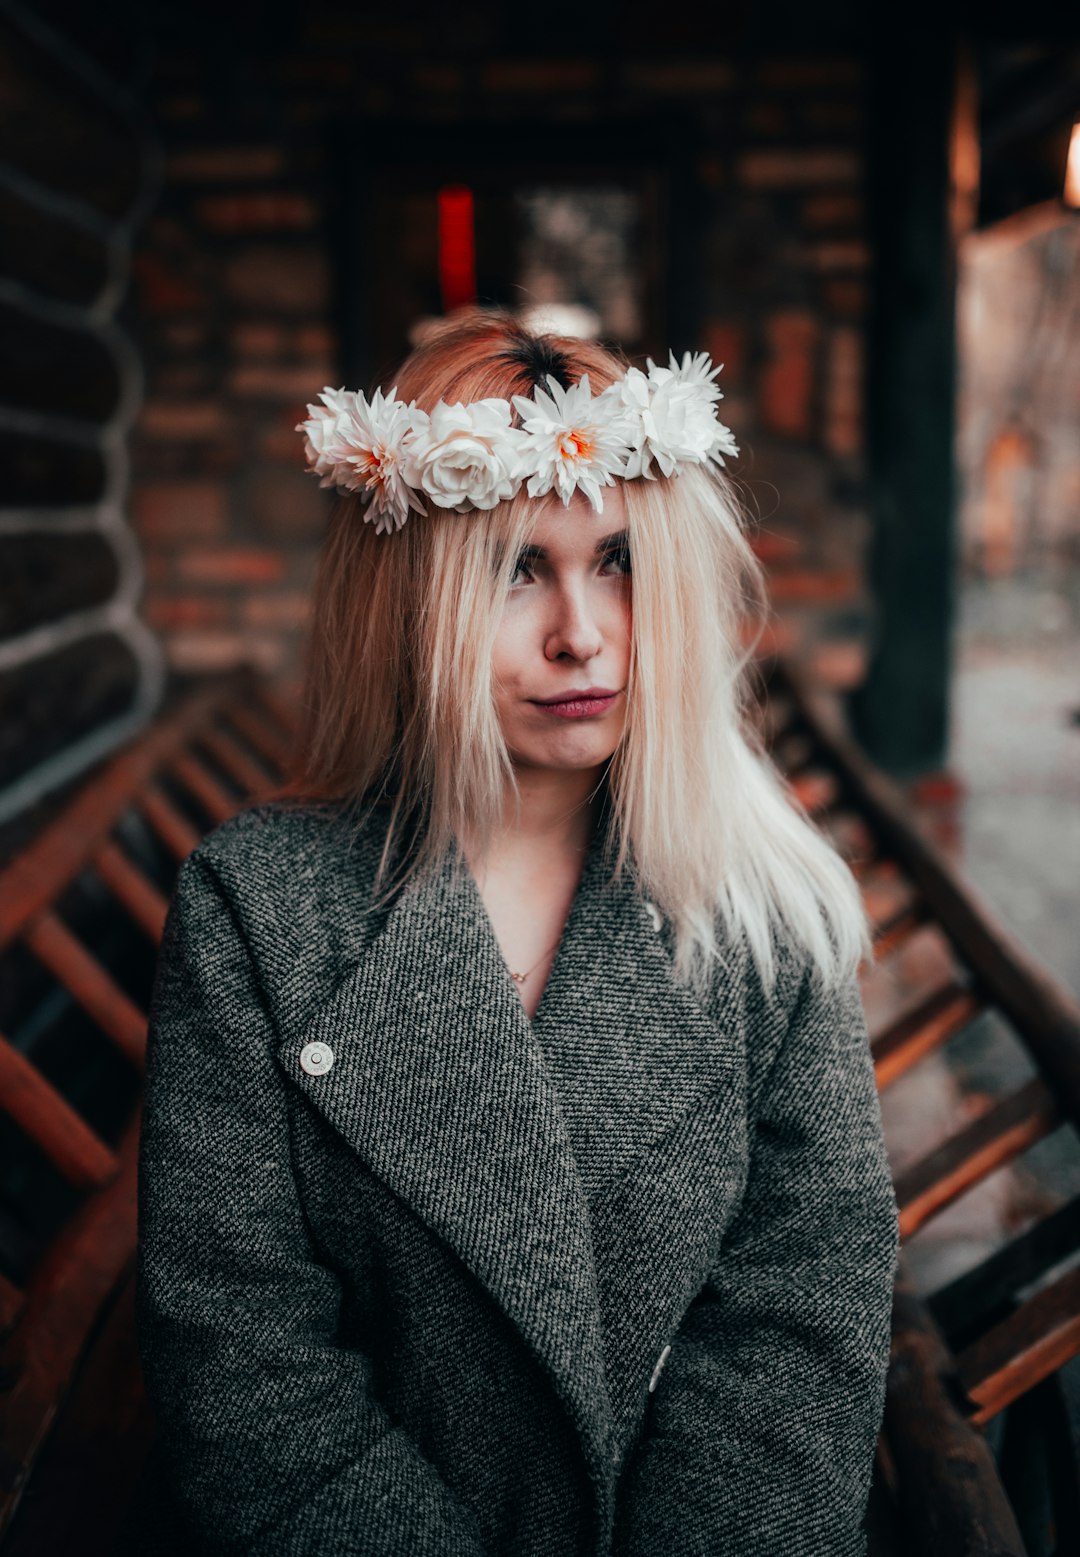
{"x": 588, "y": 694}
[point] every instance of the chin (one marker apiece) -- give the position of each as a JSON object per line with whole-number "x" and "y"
{"x": 571, "y": 755}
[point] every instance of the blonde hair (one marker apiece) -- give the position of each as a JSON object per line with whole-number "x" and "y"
{"x": 398, "y": 704}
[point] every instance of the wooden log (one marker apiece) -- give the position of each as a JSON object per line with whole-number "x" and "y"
{"x": 949, "y": 1494}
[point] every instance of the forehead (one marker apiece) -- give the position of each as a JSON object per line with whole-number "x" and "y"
{"x": 564, "y": 530}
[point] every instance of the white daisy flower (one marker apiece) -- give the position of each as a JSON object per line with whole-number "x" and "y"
{"x": 358, "y": 445}
{"x": 465, "y": 456}
{"x": 683, "y": 412}
{"x": 574, "y": 440}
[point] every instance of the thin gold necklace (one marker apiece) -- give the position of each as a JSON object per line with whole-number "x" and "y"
{"x": 519, "y": 978}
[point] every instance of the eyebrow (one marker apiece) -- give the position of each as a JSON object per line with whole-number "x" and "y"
{"x": 605, "y": 544}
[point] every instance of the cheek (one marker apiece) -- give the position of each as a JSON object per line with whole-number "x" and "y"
{"x": 512, "y": 649}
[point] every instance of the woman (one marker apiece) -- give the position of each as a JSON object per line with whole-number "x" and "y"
{"x": 512, "y": 1178}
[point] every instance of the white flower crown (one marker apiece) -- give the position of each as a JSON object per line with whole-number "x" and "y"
{"x": 466, "y": 457}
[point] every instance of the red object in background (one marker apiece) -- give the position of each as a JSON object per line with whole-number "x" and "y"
{"x": 457, "y": 247}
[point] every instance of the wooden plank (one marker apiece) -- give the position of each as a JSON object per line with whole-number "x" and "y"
{"x": 260, "y": 735}
{"x": 48, "y": 1119}
{"x": 1040, "y": 1007}
{"x": 281, "y": 710}
{"x": 124, "y": 879}
{"x": 1040, "y": 1337}
{"x": 971, "y": 1302}
{"x": 38, "y": 875}
{"x": 937, "y": 1017}
{"x": 949, "y": 1494}
{"x": 996, "y": 1137}
{"x": 815, "y": 791}
{"x": 200, "y": 782}
{"x": 171, "y": 827}
{"x": 63, "y": 1302}
{"x": 898, "y": 931}
{"x": 234, "y": 759}
{"x": 86, "y": 1474}
{"x": 12, "y": 1299}
{"x": 89, "y": 983}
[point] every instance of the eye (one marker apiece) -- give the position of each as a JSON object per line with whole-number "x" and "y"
{"x": 620, "y": 555}
{"x": 520, "y": 566}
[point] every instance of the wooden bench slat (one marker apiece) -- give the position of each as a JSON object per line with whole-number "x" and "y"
{"x": 12, "y": 1299}
{"x": 48, "y": 1119}
{"x": 171, "y": 827}
{"x": 91, "y": 985}
{"x": 1040, "y": 1337}
{"x": 38, "y": 875}
{"x": 146, "y": 905}
{"x": 973, "y": 1153}
{"x": 972, "y": 1301}
{"x": 259, "y": 734}
{"x": 902, "y": 928}
{"x": 1038, "y": 1004}
{"x": 200, "y": 782}
{"x": 937, "y": 1017}
{"x": 231, "y": 756}
{"x": 63, "y": 1301}
{"x": 284, "y": 714}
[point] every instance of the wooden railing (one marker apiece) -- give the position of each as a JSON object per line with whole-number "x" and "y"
{"x": 996, "y": 1337}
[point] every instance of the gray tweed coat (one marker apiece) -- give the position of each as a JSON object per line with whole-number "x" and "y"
{"x": 613, "y": 1282}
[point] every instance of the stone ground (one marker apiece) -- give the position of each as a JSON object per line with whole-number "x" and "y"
{"x": 1014, "y": 751}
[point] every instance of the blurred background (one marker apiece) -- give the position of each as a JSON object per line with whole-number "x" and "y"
{"x": 207, "y": 213}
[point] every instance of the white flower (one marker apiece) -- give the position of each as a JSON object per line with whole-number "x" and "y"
{"x": 465, "y": 456}
{"x": 675, "y": 417}
{"x": 324, "y": 441}
{"x": 358, "y": 445}
{"x": 574, "y": 440}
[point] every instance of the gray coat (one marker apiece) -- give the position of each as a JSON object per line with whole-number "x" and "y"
{"x": 613, "y": 1282}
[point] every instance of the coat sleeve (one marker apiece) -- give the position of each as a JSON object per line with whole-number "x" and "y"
{"x": 273, "y": 1439}
{"x": 761, "y": 1433}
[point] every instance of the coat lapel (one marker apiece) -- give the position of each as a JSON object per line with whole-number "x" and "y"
{"x": 449, "y": 1093}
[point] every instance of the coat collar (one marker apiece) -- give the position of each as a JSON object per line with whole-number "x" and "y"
{"x": 441, "y": 1084}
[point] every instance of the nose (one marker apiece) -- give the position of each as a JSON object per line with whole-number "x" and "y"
{"x": 574, "y": 629}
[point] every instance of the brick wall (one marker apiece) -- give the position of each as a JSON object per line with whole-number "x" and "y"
{"x": 236, "y": 299}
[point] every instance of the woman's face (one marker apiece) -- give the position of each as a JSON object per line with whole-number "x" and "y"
{"x": 565, "y": 630}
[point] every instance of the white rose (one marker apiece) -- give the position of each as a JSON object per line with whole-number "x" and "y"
{"x": 327, "y": 442}
{"x": 465, "y": 456}
{"x": 683, "y": 419}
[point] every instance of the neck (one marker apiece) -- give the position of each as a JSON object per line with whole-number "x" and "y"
{"x": 558, "y": 813}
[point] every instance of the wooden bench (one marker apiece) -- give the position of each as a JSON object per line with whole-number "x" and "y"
{"x": 81, "y": 914}
{"x": 993, "y": 1340}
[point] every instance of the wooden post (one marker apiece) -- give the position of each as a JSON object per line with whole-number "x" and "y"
{"x": 900, "y": 713}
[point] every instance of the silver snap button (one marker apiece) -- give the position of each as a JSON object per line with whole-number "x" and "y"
{"x": 654, "y": 914}
{"x": 660, "y": 1361}
{"x": 316, "y": 1058}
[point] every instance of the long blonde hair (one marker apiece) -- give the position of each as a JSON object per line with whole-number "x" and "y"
{"x": 398, "y": 705}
